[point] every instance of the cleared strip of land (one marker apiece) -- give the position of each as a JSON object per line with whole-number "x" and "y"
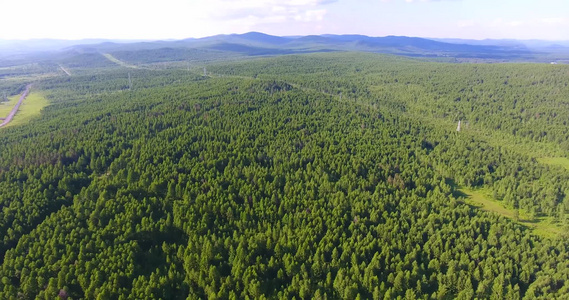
{"x": 14, "y": 110}
{"x": 555, "y": 161}
{"x": 30, "y": 109}
{"x": 7, "y": 106}
{"x": 542, "y": 226}
{"x": 65, "y": 70}
{"x": 118, "y": 61}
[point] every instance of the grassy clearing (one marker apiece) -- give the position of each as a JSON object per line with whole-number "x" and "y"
{"x": 482, "y": 199}
{"x": 6, "y": 107}
{"x": 555, "y": 161}
{"x": 30, "y": 108}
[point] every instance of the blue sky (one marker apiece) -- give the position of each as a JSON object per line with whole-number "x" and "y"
{"x": 176, "y": 19}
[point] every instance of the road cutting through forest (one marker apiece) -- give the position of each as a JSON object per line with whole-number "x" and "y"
{"x": 16, "y": 107}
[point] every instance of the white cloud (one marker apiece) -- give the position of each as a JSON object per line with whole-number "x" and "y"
{"x": 256, "y": 15}
{"x": 555, "y": 21}
{"x": 247, "y": 15}
{"x": 542, "y": 28}
{"x": 466, "y": 23}
{"x": 311, "y": 15}
{"x": 238, "y": 9}
{"x": 152, "y": 19}
{"x": 514, "y": 23}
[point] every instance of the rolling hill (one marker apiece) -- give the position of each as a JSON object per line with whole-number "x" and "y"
{"x": 253, "y": 44}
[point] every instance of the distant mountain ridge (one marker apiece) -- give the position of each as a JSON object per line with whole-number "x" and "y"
{"x": 257, "y": 44}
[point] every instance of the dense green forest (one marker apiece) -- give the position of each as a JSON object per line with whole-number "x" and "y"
{"x": 321, "y": 176}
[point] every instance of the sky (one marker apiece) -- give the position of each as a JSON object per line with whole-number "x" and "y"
{"x": 178, "y": 19}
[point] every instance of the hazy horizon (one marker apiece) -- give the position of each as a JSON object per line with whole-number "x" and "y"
{"x": 127, "y": 40}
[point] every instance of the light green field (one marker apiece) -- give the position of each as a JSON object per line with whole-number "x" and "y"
{"x": 30, "y": 108}
{"x": 555, "y": 161}
{"x": 6, "y": 107}
{"x": 482, "y": 199}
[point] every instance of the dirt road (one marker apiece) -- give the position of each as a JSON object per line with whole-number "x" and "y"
{"x": 16, "y": 107}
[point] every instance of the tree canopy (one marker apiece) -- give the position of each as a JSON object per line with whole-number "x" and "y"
{"x": 329, "y": 176}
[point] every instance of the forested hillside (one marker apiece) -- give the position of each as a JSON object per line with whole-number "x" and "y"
{"x": 324, "y": 176}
